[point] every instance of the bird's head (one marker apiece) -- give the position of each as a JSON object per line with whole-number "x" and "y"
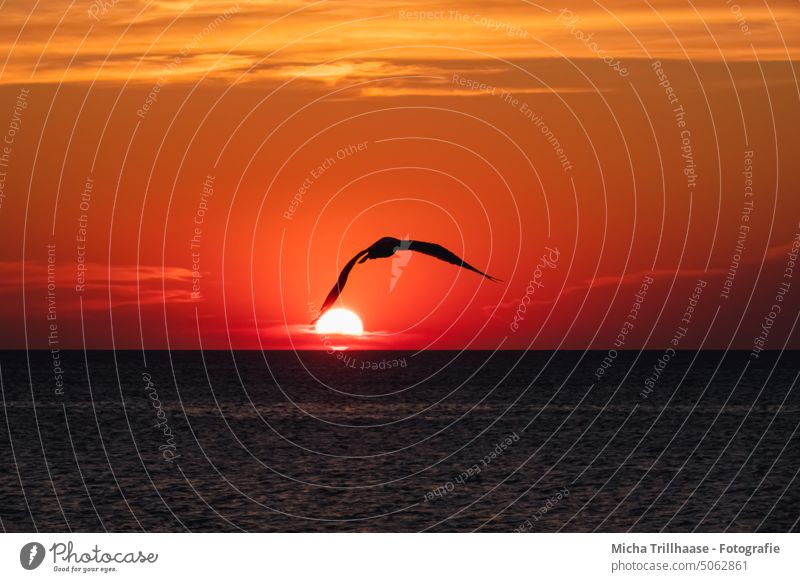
{"x": 384, "y": 247}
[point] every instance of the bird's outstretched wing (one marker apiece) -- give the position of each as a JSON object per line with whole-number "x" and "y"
{"x": 443, "y": 254}
{"x": 337, "y": 288}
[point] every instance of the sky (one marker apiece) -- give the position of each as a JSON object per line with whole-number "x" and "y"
{"x": 195, "y": 174}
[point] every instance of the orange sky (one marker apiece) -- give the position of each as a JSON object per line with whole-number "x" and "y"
{"x": 261, "y": 145}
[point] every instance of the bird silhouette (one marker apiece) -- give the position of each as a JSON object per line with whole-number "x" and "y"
{"x": 386, "y": 247}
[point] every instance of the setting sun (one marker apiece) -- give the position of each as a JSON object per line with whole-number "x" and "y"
{"x": 341, "y": 322}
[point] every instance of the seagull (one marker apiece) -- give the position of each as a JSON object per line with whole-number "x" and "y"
{"x": 386, "y": 247}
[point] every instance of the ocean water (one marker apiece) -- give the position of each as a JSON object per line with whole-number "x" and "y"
{"x": 398, "y": 441}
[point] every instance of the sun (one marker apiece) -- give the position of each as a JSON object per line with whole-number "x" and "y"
{"x": 339, "y": 322}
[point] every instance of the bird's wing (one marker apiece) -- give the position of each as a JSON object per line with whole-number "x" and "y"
{"x": 337, "y": 288}
{"x": 443, "y": 254}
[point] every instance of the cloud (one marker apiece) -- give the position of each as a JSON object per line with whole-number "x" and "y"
{"x": 124, "y": 284}
{"x": 773, "y": 254}
{"x": 134, "y": 39}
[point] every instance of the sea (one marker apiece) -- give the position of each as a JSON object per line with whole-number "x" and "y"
{"x": 383, "y": 441}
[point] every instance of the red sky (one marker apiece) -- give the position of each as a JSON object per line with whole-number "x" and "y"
{"x": 459, "y": 109}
